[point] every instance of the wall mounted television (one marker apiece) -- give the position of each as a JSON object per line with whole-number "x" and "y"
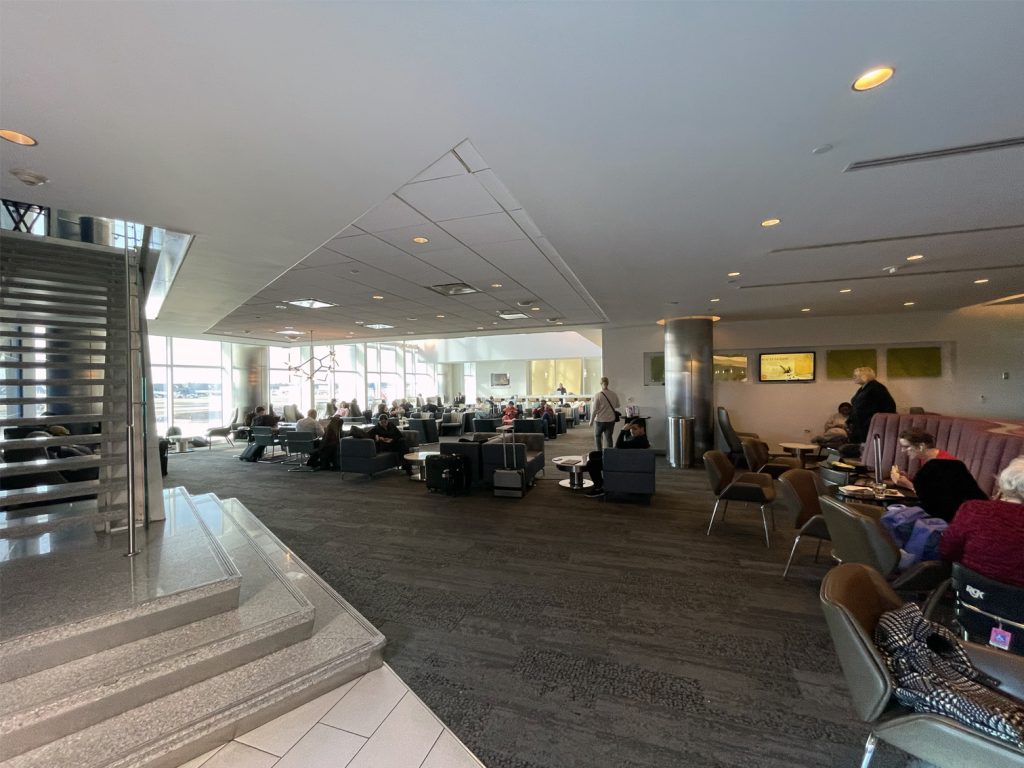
{"x": 499, "y": 380}
{"x": 786, "y": 366}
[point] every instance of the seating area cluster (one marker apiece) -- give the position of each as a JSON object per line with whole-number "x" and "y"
{"x": 929, "y": 508}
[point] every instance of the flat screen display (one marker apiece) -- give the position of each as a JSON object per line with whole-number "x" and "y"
{"x": 499, "y": 380}
{"x": 787, "y": 366}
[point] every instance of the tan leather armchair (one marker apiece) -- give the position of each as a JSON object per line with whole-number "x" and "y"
{"x": 803, "y": 487}
{"x": 853, "y": 596}
{"x": 728, "y": 485}
{"x": 760, "y": 460}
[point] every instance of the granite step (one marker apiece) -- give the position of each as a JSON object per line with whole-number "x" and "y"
{"x": 169, "y": 730}
{"x": 72, "y": 592}
{"x": 34, "y": 521}
{"x": 271, "y": 615}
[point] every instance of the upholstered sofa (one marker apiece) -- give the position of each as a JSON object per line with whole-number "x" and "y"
{"x": 360, "y": 455}
{"x": 527, "y": 449}
{"x": 629, "y": 471}
{"x": 985, "y": 446}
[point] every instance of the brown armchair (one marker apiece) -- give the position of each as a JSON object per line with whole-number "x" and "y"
{"x": 853, "y": 597}
{"x": 728, "y": 486}
{"x": 803, "y": 488}
{"x": 732, "y": 437}
{"x": 756, "y": 454}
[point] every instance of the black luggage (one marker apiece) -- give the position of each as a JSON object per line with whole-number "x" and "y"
{"x": 446, "y": 473}
{"x": 252, "y": 452}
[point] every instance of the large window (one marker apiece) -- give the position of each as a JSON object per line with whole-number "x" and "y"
{"x": 190, "y": 380}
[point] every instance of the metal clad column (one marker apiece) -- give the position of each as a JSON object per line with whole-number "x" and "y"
{"x": 689, "y": 388}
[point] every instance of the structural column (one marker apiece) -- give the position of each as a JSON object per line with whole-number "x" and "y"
{"x": 689, "y": 382}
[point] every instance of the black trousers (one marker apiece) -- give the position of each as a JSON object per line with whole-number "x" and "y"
{"x": 595, "y": 467}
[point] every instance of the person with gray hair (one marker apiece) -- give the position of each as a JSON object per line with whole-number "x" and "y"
{"x": 871, "y": 398}
{"x": 988, "y": 536}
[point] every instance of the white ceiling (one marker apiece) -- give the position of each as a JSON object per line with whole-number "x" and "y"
{"x": 646, "y": 140}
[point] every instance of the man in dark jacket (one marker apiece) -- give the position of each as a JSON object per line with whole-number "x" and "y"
{"x": 871, "y": 398}
{"x": 633, "y": 435}
{"x": 389, "y": 439}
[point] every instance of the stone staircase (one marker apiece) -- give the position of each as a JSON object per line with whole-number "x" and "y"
{"x": 213, "y": 630}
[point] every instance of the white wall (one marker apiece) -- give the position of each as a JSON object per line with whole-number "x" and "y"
{"x": 518, "y": 374}
{"x": 524, "y": 346}
{"x": 980, "y": 345}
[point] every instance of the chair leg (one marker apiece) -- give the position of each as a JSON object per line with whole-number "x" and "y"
{"x": 764, "y": 521}
{"x": 791, "y": 553}
{"x": 869, "y": 750}
{"x": 713, "y": 513}
{"x": 817, "y": 551}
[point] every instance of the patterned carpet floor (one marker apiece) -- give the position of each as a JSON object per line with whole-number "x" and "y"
{"x": 559, "y": 631}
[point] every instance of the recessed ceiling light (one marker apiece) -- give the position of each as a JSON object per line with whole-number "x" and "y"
{"x": 806, "y": 309}
{"x": 495, "y": 285}
{"x": 535, "y": 309}
{"x": 311, "y": 303}
{"x": 511, "y": 315}
{"x": 412, "y": 318}
{"x": 16, "y": 137}
{"x": 559, "y": 323}
{"x": 908, "y": 303}
{"x": 420, "y": 240}
{"x": 770, "y": 222}
{"x": 379, "y": 326}
{"x": 290, "y": 334}
{"x": 846, "y": 290}
{"x": 353, "y": 271}
{"x": 410, "y": 332}
{"x": 733, "y": 274}
{"x": 377, "y": 297}
{"x": 360, "y": 322}
{"x": 822, "y": 149}
{"x": 280, "y": 306}
{"x": 713, "y": 300}
{"x": 479, "y": 327}
{"x": 439, "y": 317}
{"x": 981, "y": 281}
{"x": 29, "y": 178}
{"x": 872, "y": 78}
{"x": 915, "y": 257}
{"x": 453, "y": 289}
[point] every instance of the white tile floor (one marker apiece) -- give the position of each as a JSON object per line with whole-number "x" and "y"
{"x": 375, "y": 721}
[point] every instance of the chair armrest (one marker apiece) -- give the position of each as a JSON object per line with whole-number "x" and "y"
{"x": 923, "y": 577}
{"x": 1006, "y": 667}
{"x": 751, "y": 435}
{"x": 753, "y": 478}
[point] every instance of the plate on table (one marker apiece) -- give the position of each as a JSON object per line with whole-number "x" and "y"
{"x": 856, "y": 490}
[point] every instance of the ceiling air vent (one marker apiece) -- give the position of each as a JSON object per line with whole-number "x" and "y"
{"x": 454, "y": 289}
{"x": 508, "y": 315}
{"x": 935, "y": 154}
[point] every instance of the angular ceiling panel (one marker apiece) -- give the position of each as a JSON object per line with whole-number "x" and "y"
{"x": 456, "y": 197}
{"x": 391, "y": 214}
{"x": 482, "y": 230}
{"x": 448, "y": 165}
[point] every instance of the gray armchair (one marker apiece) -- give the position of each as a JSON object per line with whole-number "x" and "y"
{"x": 425, "y": 428}
{"x": 629, "y": 471}
{"x": 452, "y": 425}
{"x": 486, "y": 425}
{"x": 528, "y": 426}
{"x": 728, "y": 485}
{"x": 527, "y": 450}
{"x": 853, "y": 597}
{"x": 359, "y": 454}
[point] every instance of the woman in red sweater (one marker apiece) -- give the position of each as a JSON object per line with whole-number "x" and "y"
{"x": 988, "y": 536}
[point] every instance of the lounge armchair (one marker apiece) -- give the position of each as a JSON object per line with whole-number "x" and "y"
{"x": 732, "y": 437}
{"x": 629, "y": 471}
{"x": 359, "y": 455}
{"x": 520, "y": 451}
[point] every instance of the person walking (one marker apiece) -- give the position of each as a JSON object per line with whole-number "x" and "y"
{"x": 605, "y": 414}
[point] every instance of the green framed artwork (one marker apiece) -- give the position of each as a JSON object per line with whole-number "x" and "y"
{"x": 654, "y": 369}
{"x": 839, "y": 363}
{"x": 913, "y": 362}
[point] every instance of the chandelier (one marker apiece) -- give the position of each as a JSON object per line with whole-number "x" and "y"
{"x": 314, "y": 367}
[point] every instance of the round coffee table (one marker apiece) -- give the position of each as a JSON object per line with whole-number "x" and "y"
{"x": 575, "y": 466}
{"x": 800, "y": 450}
{"x": 417, "y": 459}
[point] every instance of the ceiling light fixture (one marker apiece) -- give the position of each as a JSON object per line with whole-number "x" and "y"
{"x": 770, "y": 222}
{"x": 439, "y": 317}
{"x": 17, "y": 137}
{"x": 512, "y": 315}
{"x": 873, "y": 78}
{"x": 412, "y": 319}
{"x": 380, "y": 326}
{"x": 314, "y": 367}
{"x": 806, "y": 309}
{"x": 30, "y": 178}
{"x": 479, "y": 327}
{"x": 981, "y": 281}
{"x": 559, "y": 323}
{"x": 714, "y": 300}
{"x": 846, "y": 290}
{"x": 915, "y": 257}
{"x": 908, "y": 303}
{"x": 535, "y": 309}
{"x": 311, "y": 303}
{"x": 280, "y": 306}
{"x": 495, "y": 285}
{"x": 420, "y": 240}
{"x": 453, "y": 289}
{"x": 360, "y": 322}
{"x": 732, "y": 274}
{"x": 822, "y": 149}
{"x": 377, "y": 297}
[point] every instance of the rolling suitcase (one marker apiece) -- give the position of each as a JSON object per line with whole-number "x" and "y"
{"x": 446, "y": 474}
{"x": 510, "y": 482}
{"x": 251, "y": 452}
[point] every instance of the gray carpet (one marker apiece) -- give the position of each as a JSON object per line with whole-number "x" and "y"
{"x": 557, "y": 631}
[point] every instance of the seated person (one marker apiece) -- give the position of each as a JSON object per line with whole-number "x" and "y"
{"x": 545, "y": 413}
{"x": 327, "y": 456}
{"x": 310, "y": 424}
{"x": 835, "y": 433}
{"x": 988, "y": 536}
{"x": 387, "y": 437}
{"x": 263, "y": 419}
{"x": 632, "y": 435}
{"x": 510, "y": 414}
{"x": 341, "y": 410}
{"x": 354, "y": 409}
{"x": 942, "y": 482}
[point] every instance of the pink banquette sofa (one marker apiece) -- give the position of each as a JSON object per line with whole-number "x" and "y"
{"x": 985, "y": 446}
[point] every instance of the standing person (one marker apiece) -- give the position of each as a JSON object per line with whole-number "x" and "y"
{"x": 605, "y": 414}
{"x": 871, "y": 398}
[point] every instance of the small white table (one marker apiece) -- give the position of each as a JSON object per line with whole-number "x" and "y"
{"x": 575, "y": 466}
{"x": 800, "y": 450}
{"x": 419, "y": 458}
